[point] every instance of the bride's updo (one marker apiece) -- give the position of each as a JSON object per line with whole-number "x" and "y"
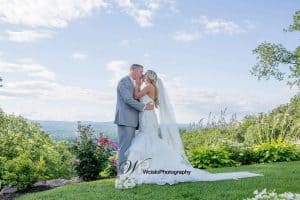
{"x": 152, "y": 76}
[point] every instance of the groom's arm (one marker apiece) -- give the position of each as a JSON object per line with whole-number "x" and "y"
{"x": 127, "y": 96}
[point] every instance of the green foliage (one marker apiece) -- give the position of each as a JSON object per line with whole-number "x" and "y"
{"x": 92, "y": 155}
{"x": 240, "y": 153}
{"x": 271, "y": 56}
{"x": 246, "y": 142}
{"x": 209, "y": 158}
{"x": 276, "y": 152}
{"x": 111, "y": 168}
{"x": 295, "y": 26}
{"x": 214, "y": 132}
{"x": 283, "y": 122}
{"x": 21, "y": 172}
{"x": 27, "y": 154}
{"x": 233, "y": 155}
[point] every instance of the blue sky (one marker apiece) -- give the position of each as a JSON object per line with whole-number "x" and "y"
{"x": 61, "y": 59}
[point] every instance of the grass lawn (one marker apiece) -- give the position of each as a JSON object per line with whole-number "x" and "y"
{"x": 282, "y": 177}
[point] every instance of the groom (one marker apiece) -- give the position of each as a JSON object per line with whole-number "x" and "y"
{"x": 127, "y": 112}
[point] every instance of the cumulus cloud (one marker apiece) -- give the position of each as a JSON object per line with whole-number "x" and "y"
{"x": 28, "y": 67}
{"x": 218, "y": 25}
{"x": 47, "y": 13}
{"x": 192, "y": 103}
{"x": 28, "y": 35}
{"x": 205, "y": 27}
{"x": 48, "y": 90}
{"x": 119, "y": 68}
{"x": 59, "y": 13}
{"x": 39, "y": 95}
{"x": 143, "y": 14}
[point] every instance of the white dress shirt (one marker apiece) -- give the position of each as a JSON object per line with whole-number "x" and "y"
{"x": 133, "y": 81}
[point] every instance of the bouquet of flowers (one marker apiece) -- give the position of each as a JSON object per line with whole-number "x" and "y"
{"x": 123, "y": 181}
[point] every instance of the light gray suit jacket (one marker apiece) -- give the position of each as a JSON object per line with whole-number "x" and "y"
{"x": 127, "y": 108}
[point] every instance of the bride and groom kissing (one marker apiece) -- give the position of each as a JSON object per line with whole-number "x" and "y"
{"x": 150, "y": 148}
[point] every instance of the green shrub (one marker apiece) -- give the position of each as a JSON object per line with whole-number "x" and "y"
{"x": 27, "y": 154}
{"x": 276, "y": 152}
{"x": 92, "y": 155}
{"x": 20, "y": 172}
{"x": 111, "y": 168}
{"x": 231, "y": 154}
{"x": 209, "y": 158}
{"x": 239, "y": 152}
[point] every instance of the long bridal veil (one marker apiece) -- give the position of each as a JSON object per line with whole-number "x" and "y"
{"x": 168, "y": 129}
{"x": 169, "y": 132}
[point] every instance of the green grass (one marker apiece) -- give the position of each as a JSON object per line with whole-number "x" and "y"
{"x": 282, "y": 177}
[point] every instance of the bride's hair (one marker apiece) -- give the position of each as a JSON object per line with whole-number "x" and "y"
{"x": 153, "y": 78}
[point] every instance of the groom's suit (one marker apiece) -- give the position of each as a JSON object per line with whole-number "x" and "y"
{"x": 126, "y": 117}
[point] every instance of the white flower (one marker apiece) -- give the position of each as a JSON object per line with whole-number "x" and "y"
{"x": 274, "y": 196}
{"x": 123, "y": 181}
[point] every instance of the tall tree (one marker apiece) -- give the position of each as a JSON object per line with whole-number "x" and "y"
{"x": 272, "y": 56}
{"x": 0, "y": 81}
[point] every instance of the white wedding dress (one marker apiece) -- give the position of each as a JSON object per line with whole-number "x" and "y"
{"x": 164, "y": 158}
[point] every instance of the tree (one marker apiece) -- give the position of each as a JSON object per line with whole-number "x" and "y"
{"x": 0, "y": 82}
{"x": 271, "y": 56}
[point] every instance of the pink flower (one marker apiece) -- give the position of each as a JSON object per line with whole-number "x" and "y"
{"x": 102, "y": 141}
{"x": 114, "y": 145}
{"x": 105, "y": 142}
{"x": 114, "y": 161}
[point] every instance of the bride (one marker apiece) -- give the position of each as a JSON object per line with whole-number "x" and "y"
{"x": 156, "y": 154}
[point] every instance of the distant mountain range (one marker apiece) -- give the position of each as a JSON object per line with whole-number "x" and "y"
{"x": 67, "y": 130}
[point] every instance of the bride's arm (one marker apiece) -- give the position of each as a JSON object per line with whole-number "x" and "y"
{"x": 138, "y": 93}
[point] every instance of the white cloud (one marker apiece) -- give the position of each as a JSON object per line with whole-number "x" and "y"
{"x": 143, "y": 16}
{"x": 192, "y": 104}
{"x": 79, "y": 56}
{"x": 28, "y": 67}
{"x": 46, "y": 13}
{"x": 119, "y": 68}
{"x": 143, "y": 12}
{"x": 187, "y": 37}
{"x": 59, "y": 13}
{"x": 218, "y": 25}
{"x": 51, "y": 90}
{"x": 28, "y": 35}
{"x": 205, "y": 27}
{"x": 45, "y": 98}
{"x": 50, "y": 100}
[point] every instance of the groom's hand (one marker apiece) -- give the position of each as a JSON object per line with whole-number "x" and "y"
{"x": 149, "y": 106}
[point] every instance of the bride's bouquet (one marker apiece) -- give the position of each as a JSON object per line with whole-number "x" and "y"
{"x": 124, "y": 181}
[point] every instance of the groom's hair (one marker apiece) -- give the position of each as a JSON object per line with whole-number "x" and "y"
{"x": 135, "y": 66}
